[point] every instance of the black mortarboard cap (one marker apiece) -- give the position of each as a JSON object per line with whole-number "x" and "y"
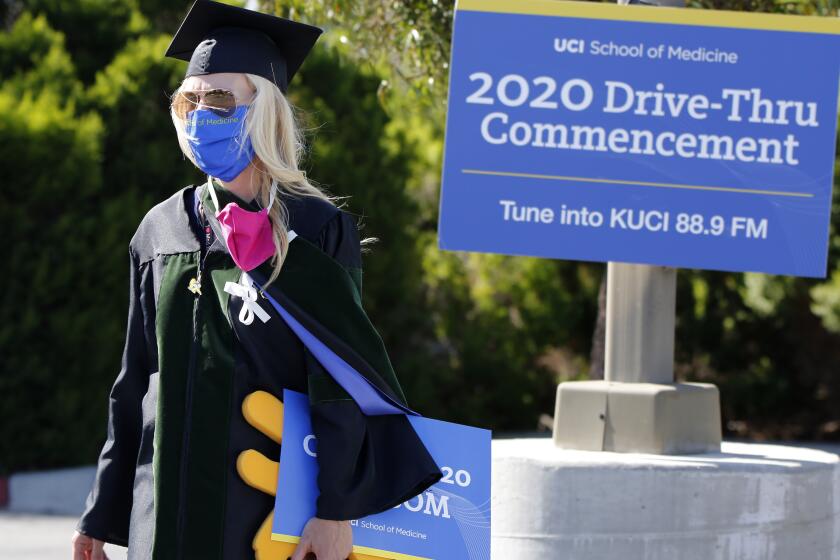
{"x": 216, "y": 37}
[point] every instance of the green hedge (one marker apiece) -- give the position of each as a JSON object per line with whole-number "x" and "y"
{"x": 88, "y": 148}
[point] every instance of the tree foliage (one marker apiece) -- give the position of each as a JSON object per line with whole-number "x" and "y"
{"x": 91, "y": 151}
{"x": 475, "y": 338}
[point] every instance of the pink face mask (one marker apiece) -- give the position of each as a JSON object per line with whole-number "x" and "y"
{"x": 248, "y": 234}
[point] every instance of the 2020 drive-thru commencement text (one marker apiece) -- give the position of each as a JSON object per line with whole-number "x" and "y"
{"x": 685, "y": 138}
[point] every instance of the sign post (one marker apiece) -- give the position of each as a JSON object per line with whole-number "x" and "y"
{"x": 638, "y": 407}
{"x": 682, "y": 418}
{"x": 651, "y": 140}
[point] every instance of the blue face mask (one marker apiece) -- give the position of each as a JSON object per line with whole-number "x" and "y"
{"x": 215, "y": 142}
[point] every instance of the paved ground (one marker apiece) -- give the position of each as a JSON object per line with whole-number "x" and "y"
{"x": 25, "y": 536}
{"x": 41, "y": 537}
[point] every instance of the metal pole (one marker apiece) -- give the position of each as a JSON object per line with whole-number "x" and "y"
{"x": 641, "y": 307}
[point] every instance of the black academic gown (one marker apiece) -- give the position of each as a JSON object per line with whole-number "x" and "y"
{"x": 175, "y": 493}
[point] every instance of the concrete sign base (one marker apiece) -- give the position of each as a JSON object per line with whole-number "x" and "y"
{"x": 747, "y": 502}
{"x": 661, "y": 418}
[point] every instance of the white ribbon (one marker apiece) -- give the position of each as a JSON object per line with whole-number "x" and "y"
{"x": 245, "y": 290}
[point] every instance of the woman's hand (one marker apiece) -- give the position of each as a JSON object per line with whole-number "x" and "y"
{"x": 87, "y": 548}
{"x": 326, "y": 539}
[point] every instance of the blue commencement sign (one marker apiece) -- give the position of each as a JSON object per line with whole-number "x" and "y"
{"x": 686, "y": 138}
{"x": 449, "y": 521}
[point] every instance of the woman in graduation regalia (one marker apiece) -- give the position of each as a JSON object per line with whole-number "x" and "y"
{"x": 206, "y": 266}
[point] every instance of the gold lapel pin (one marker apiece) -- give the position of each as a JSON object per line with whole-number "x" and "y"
{"x": 195, "y": 286}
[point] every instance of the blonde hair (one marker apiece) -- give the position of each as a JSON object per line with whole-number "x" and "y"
{"x": 279, "y": 144}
